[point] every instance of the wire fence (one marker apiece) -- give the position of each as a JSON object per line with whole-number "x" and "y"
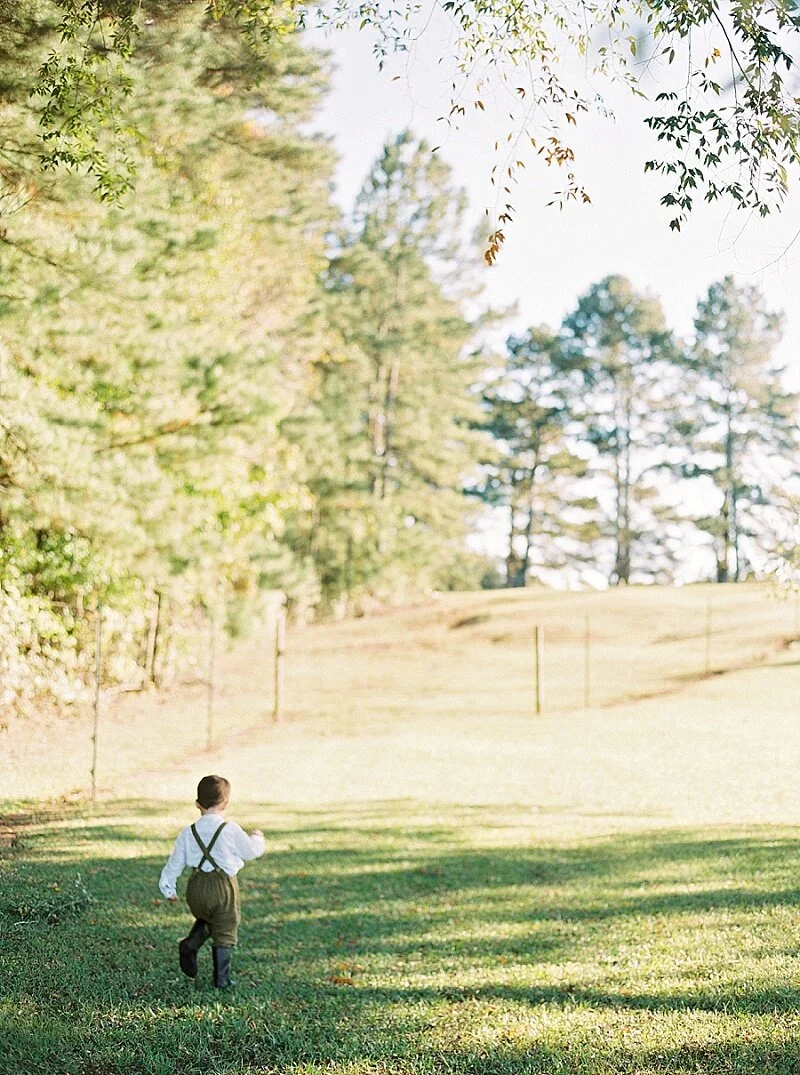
{"x": 273, "y": 630}
{"x": 144, "y": 689}
{"x": 497, "y": 656}
{"x": 602, "y": 662}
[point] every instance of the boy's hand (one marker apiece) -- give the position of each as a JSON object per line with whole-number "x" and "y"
{"x": 257, "y": 832}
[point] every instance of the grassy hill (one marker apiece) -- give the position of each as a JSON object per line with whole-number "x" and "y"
{"x": 460, "y": 665}
{"x": 452, "y": 885}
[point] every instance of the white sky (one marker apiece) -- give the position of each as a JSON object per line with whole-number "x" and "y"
{"x": 552, "y": 256}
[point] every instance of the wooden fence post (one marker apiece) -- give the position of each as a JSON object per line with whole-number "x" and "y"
{"x": 212, "y": 672}
{"x": 98, "y": 656}
{"x": 280, "y": 653}
{"x": 708, "y": 636}
{"x": 539, "y": 647}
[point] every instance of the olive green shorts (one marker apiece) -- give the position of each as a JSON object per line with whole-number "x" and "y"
{"x": 214, "y": 897}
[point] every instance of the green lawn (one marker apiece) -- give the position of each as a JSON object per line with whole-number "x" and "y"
{"x": 452, "y": 885}
{"x": 393, "y": 937}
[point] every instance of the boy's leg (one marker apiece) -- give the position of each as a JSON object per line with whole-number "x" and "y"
{"x": 191, "y": 945}
{"x": 225, "y": 931}
{"x": 214, "y": 898}
{"x": 200, "y": 896}
{"x": 222, "y": 966}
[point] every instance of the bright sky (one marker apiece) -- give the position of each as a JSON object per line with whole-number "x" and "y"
{"x": 552, "y": 256}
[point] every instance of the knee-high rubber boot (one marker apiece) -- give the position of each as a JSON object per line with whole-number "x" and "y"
{"x": 191, "y": 945}
{"x": 222, "y": 967}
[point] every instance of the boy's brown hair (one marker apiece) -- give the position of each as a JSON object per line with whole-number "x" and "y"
{"x": 213, "y": 791}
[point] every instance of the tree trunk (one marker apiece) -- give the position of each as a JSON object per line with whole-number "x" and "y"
{"x": 722, "y": 550}
{"x": 622, "y": 472}
{"x": 525, "y": 562}
{"x": 512, "y": 557}
{"x": 528, "y": 532}
{"x": 730, "y": 538}
{"x": 388, "y": 412}
{"x": 377, "y": 418}
{"x": 734, "y": 497}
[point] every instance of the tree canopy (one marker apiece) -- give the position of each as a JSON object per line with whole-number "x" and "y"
{"x": 721, "y": 76}
{"x": 222, "y": 384}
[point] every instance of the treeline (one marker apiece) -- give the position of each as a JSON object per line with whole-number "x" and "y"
{"x": 625, "y": 453}
{"x": 224, "y": 386}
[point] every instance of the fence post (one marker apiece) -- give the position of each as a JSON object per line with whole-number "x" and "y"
{"x": 280, "y": 652}
{"x": 539, "y": 647}
{"x": 212, "y": 672}
{"x": 587, "y": 641}
{"x": 708, "y": 635}
{"x": 98, "y": 655}
{"x": 153, "y": 632}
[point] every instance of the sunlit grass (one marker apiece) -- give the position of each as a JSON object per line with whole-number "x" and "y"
{"x": 452, "y": 885}
{"x": 396, "y": 938}
{"x": 459, "y": 661}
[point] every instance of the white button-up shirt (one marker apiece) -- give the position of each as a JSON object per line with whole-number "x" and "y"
{"x": 233, "y": 848}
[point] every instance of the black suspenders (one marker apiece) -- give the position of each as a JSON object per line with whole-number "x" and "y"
{"x": 207, "y": 850}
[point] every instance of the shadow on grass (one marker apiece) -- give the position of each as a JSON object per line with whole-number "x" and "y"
{"x": 374, "y": 941}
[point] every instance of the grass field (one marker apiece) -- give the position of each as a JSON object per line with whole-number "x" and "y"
{"x": 458, "y": 663}
{"x": 451, "y": 885}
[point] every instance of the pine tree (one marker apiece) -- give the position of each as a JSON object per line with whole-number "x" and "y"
{"x": 394, "y": 398}
{"x": 618, "y": 353}
{"x": 150, "y": 350}
{"x": 740, "y": 421}
{"x": 536, "y": 472}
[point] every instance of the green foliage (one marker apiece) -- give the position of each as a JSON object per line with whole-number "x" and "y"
{"x": 216, "y": 387}
{"x": 593, "y": 423}
{"x": 535, "y": 474}
{"x": 730, "y": 135}
{"x": 617, "y": 351}
{"x": 201, "y": 401}
{"x": 148, "y": 354}
{"x": 734, "y": 135}
{"x": 385, "y": 432}
{"x": 737, "y": 415}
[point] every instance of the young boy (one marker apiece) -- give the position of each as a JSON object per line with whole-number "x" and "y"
{"x": 216, "y": 850}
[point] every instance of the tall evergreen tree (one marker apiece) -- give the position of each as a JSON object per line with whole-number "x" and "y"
{"x": 535, "y": 474}
{"x": 395, "y": 397}
{"x": 740, "y": 421}
{"x": 149, "y": 352}
{"x": 729, "y": 138}
{"x": 618, "y": 353}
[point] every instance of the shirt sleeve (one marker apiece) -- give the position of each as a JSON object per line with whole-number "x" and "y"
{"x": 173, "y": 869}
{"x": 247, "y": 847}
